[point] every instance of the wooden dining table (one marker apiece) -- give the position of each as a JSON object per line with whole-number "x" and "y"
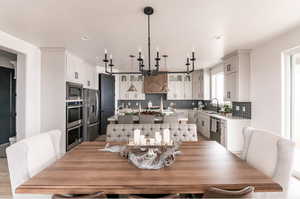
{"x": 202, "y": 164}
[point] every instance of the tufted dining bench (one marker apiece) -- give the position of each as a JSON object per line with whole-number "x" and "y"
{"x": 179, "y": 132}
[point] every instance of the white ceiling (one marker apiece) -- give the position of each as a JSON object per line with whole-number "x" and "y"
{"x": 177, "y": 26}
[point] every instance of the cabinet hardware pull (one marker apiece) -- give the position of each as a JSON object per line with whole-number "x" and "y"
{"x": 76, "y": 75}
{"x": 229, "y": 67}
{"x": 228, "y": 94}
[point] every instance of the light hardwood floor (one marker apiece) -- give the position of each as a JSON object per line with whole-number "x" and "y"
{"x": 5, "y": 191}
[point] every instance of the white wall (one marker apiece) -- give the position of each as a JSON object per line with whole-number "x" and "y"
{"x": 266, "y": 81}
{"x": 28, "y": 84}
{"x": 53, "y": 92}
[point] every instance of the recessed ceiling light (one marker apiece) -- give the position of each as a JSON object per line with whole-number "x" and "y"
{"x": 84, "y": 38}
{"x": 218, "y": 37}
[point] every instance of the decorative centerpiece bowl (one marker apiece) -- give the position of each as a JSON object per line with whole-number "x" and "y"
{"x": 154, "y": 156}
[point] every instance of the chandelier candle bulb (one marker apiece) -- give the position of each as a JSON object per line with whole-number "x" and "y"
{"x": 137, "y": 136}
{"x": 105, "y": 54}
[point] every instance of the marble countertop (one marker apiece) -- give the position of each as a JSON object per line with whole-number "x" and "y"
{"x": 136, "y": 118}
{"x": 222, "y": 117}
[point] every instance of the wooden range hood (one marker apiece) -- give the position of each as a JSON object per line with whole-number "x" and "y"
{"x": 156, "y": 83}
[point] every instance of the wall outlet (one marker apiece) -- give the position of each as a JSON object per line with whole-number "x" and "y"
{"x": 244, "y": 108}
{"x": 237, "y": 108}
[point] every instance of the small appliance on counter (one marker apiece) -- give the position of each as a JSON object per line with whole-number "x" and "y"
{"x": 90, "y": 114}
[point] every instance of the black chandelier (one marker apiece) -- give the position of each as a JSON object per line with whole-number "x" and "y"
{"x": 146, "y": 70}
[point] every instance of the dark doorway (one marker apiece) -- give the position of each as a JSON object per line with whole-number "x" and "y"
{"x": 107, "y": 100}
{"x": 7, "y": 104}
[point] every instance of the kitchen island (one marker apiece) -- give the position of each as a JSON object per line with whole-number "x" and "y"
{"x": 158, "y": 118}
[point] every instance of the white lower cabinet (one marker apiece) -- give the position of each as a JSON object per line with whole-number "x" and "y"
{"x": 203, "y": 124}
{"x": 193, "y": 116}
{"x": 231, "y": 130}
{"x": 232, "y": 134}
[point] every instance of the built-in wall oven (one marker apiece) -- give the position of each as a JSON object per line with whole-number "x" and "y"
{"x": 74, "y": 91}
{"x": 74, "y": 136}
{"x": 74, "y": 118}
{"x": 74, "y": 114}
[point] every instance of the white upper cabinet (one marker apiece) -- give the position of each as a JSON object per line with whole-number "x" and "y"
{"x": 126, "y": 81}
{"x": 201, "y": 84}
{"x": 230, "y": 87}
{"x": 176, "y": 87}
{"x": 90, "y": 77}
{"x": 195, "y": 86}
{"x": 79, "y": 71}
{"x": 188, "y": 87}
{"x": 72, "y": 68}
{"x": 230, "y": 65}
{"x": 237, "y": 76}
{"x": 124, "y": 86}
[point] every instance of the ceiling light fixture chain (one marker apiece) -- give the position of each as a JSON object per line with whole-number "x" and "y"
{"x": 149, "y": 71}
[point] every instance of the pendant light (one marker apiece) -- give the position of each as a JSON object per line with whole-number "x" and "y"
{"x": 132, "y": 88}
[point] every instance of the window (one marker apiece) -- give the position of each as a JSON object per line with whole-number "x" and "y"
{"x": 291, "y": 108}
{"x": 217, "y": 86}
{"x": 295, "y": 100}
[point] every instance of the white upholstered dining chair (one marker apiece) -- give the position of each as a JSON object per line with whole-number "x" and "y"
{"x": 272, "y": 155}
{"x": 29, "y": 156}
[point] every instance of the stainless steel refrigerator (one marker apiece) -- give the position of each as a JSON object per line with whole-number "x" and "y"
{"x": 90, "y": 114}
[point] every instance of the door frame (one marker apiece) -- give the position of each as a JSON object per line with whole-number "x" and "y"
{"x": 287, "y": 100}
{"x": 13, "y": 102}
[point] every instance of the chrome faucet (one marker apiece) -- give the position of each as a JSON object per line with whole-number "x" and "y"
{"x": 218, "y": 106}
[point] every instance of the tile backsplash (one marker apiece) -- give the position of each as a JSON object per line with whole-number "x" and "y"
{"x": 156, "y": 98}
{"x": 241, "y": 109}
